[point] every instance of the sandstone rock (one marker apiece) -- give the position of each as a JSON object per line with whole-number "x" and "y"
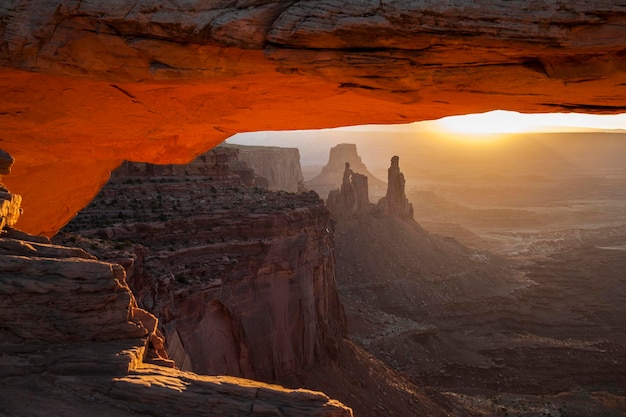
{"x": 395, "y": 202}
{"x": 332, "y": 173}
{"x": 220, "y": 164}
{"x": 10, "y": 209}
{"x": 72, "y": 342}
{"x": 157, "y": 82}
{"x": 242, "y": 279}
{"x": 6, "y": 161}
{"x": 352, "y": 198}
{"x": 279, "y": 166}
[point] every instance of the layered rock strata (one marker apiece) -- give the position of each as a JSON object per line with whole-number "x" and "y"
{"x": 162, "y": 82}
{"x": 353, "y": 196}
{"x": 10, "y": 209}
{"x": 221, "y": 164}
{"x": 279, "y": 166}
{"x": 74, "y": 342}
{"x": 241, "y": 278}
{"x": 395, "y": 202}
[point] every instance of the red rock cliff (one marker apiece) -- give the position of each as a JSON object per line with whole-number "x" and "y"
{"x": 242, "y": 279}
{"x": 74, "y": 342}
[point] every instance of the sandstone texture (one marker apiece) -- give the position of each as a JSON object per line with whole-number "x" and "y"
{"x": 10, "y": 204}
{"x": 279, "y": 166}
{"x": 85, "y": 85}
{"x": 73, "y": 342}
{"x": 242, "y": 279}
{"x": 222, "y": 165}
{"x": 353, "y": 196}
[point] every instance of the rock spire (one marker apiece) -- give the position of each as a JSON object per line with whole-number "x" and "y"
{"x": 352, "y": 197}
{"x": 395, "y": 201}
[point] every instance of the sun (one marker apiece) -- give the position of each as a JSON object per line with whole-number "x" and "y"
{"x": 505, "y": 122}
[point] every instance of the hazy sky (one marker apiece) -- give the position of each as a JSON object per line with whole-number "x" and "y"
{"x": 501, "y": 121}
{"x": 314, "y": 144}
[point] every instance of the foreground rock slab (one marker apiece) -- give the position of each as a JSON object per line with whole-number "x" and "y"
{"x": 73, "y": 342}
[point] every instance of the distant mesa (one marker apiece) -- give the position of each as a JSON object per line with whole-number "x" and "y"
{"x": 222, "y": 164}
{"x": 332, "y": 173}
{"x": 352, "y": 199}
{"x": 278, "y": 167}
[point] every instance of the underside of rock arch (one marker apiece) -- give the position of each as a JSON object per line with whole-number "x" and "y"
{"x": 85, "y": 85}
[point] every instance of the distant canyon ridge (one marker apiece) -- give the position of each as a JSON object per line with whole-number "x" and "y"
{"x": 86, "y": 85}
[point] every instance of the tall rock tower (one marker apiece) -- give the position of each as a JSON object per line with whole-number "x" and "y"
{"x": 353, "y": 196}
{"x": 395, "y": 201}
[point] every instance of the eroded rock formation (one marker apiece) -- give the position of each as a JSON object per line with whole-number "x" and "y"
{"x": 74, "y": 341}
{"x": 221, "y": 164}
{"x": 10, "y": 209}
{"x": 353, "y": 196}
{"x": 86, "y": 85}
{"x": 279, "y": 166}
{"x": 241, "y": 278}
{"x": 395, "y": 202}
{"x": 333, "y": 173}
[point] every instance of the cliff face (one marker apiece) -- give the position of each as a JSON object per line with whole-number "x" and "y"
{"x": 85, "y": 85}
{"x": 279, "y": 166}
{"x": 222, "y": 165}
{"x": 74, "y": 341}
{"x": 242, "y": 279}
{"x": 10, "y": 209}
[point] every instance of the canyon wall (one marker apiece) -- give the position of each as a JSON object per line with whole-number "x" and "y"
{"x": 242, "y": 279}
{"x": 221, "y": 164}
{"x": 86, "y": 85}
{"x": 74, "y": 341}
{"x": 279, "y": 166}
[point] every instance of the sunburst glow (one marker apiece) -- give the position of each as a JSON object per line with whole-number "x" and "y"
{"x": 500, "y": 121}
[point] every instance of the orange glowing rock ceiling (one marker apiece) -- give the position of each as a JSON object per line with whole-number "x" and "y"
{"x": 87, "y": 84}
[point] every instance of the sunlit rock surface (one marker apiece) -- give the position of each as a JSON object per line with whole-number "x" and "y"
{"x": 85, "y": 85}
